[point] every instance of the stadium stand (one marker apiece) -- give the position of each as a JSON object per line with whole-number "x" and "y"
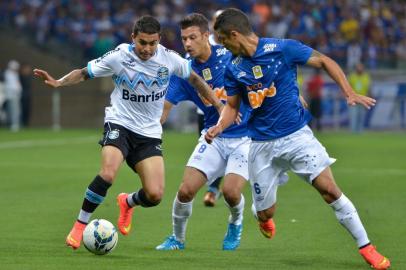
{"x": 50, "y": 32}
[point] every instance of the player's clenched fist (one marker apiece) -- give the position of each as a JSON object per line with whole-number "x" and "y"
{"x": 212, "y": 132}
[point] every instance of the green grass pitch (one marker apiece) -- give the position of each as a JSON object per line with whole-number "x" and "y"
{"x": 44, "y": 175}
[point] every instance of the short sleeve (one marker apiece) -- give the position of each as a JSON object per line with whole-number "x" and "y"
{"x": 296, "y": 52}
{"x": 102, "y": 66}
{"x": 182, "y": 67}
{"x": 231, "y": 85}
{"x": 177, "y": 90}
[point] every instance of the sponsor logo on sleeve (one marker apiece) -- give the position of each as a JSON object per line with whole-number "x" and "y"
{"x": 269, "y": 47}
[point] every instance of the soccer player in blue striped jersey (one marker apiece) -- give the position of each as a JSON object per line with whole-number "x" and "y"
{"x": 262, "y": 75}
{"x": 226, "y": 156}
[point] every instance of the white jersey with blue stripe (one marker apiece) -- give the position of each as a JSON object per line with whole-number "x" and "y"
{"x": 140, "y": 86}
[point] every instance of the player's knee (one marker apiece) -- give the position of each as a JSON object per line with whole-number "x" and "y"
{"x": 108, "y": 174}
{"x": 231, "y": 196}
{"x": 185, "y": 194}
{"x": 330, "y": 193}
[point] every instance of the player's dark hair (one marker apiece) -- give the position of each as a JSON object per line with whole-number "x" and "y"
{"x": 148, "y": 25}
{"x": 195, "y": 19}
{"x": 232, "y": 19}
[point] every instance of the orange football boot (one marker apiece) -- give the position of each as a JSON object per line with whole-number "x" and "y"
{"x": 126, "y": 213}
{"x": 75, "y": 236}
{"x": 268, "y": 228}
{"x": 374, "y": 258}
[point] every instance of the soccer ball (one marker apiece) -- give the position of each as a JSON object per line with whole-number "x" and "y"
{"x": 100, "y": 236}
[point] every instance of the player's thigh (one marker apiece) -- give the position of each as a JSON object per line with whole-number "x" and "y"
{"x": 265, "y": 174}
{"x": 207, "y": 159}
{"x": 111, "y": 159}
{"x": 152, "y": 173}
{"x": 192, "y": 181}
{"x": 233, "y": 186}
{"x": 237, "y": 162}
{"x": 306, "y": 156}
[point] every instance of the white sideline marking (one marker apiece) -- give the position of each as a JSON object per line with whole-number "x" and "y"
{"x": 51, "y": 142}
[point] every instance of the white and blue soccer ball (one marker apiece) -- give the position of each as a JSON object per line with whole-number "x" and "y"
{"x": 100, "y": 237}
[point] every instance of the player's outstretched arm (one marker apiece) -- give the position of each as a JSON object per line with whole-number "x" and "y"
{"x": 73, "y": 77}
{"x": 204, "y": 90}
{"x": 167, "y": 108}
{"x": 319, "y": 60}
{"x": 229, "y": 114}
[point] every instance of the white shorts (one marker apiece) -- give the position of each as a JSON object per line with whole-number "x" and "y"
{"x": 269, "y": 161}
{"x": 221, "y": 157}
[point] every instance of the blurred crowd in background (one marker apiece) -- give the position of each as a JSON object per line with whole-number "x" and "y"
{"x": 366, "y": 37}
{"x": 350, "y": 31}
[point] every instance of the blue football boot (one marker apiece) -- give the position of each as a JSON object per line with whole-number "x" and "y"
{"x": 171, "y": 243}
{"x": 232, "y": 238}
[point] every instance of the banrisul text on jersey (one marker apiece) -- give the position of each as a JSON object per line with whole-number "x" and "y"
{"x": 139, "y": 86}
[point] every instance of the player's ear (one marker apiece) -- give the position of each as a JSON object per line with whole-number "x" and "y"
{"x": 234, "y": 34}
{"x": 133, "y": 37}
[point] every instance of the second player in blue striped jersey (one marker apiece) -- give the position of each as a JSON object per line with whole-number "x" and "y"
{"x": 212, "y": 71}
{"x": 226, "y": 156}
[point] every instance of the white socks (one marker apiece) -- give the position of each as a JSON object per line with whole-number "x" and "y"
{"x": 180, "y": 215}
{"x": 84, "y": 216}
{"x": 182, "y": 211}
{"x": 236, "y": 212}
{"x": 348, "y": 217}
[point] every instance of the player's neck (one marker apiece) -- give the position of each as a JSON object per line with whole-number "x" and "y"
{"x": 249, "y": 45}
{"x": 205, "y": 55}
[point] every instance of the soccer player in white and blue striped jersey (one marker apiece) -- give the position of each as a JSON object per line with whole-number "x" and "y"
{"x": 132, "y": 128}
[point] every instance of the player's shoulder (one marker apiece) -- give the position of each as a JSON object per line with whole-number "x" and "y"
{"x": 116, "y": 52}
{"x": 234, "y": 66}
{"x": 269, "y": 45}
{"x": 235, "y": 62}
{"x": 220, "y": 50}
{"x": 284, "y": 43}
{"x": 167, "y": 52}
